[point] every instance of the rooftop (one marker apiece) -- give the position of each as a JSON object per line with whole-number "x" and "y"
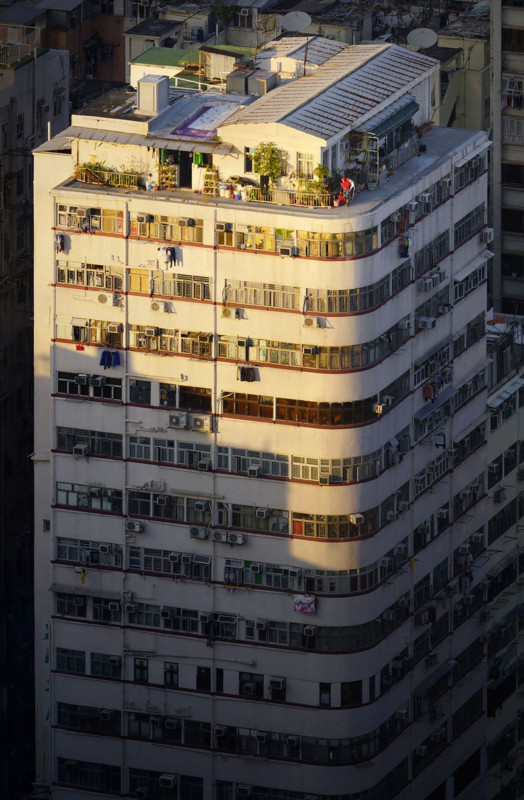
{"x": 468, "y": 26}
{"x": 442, "y": 54}
{"x": 20, "y": 15}
{"x": 153, "y": 27}
{"x": 166, "y": 57}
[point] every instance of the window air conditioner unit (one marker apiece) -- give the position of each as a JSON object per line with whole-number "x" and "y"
{"x": 220, "y": 731}
{"x": 204, "y": 464}
{"x": 500, "y": 495}
{"x": 178, "y": 420}
{"x": 256, "y": 568}
{"x": 182, "y": 222}
{"x": 81, "y": 212}
{"x": 428, "y": 283}
{"x": 309, "y": 630}
{"x": 166, "y": 781}
{"x": 412, "y": 206}
{"x": 201, "y": 424}
{"x": 198, "y": 533}
{"x": 293, "y": 741}
{"x": 249, "y": 688}
{"x": 144, "y": 218}
{"x": 389, "y": 615}
{"x": 464, "y": 549}
{"x": 261, "y": 737}
{"x": 130, "y": 608}
{"x": 403, "y": 505}
{"x": 220, "y": 536}
{"x": 114, "y": 327}
{"x": 244, "y": 12}
{"x": 386, "y": 562}
{"x": 162, "y": 500}
{"x": 401, "y": 551}
{"x": 174, "y": 558}
{"x": 421, "y": 750}
{"x": 142, "y": 793}
{"x": 277, "y": 683}
{"x": 444, "y": 309}
{"x": 308, "y": 350}
{"x": 43, "y": 106}
{"x": 81, "y": 450}
{"x": 104, "y": 548}
{"x": 149, "y": 330}
{"x": 478, "y": 537}
{"x": 465, "y": 495}
{"x": 425, "y": 197}
{"x": 227, "y": 312}
{"x": 187, "y": 558}
{"x": 288, "y": 251}
{"x": 114, "y": 606}
{"x": 445, "y": 183}
{"x": 395, "y": 216}
{"x": 114, "y": 661}
{"x": 134, "y": 526}
{"x": 253, "y": 471}
{"x": 402, "y": 714}
{"x": 422, "y": 618}
{"x": 262, "y": 513}
{"x": 261, "y": 624}
{"x": 486, "y": 235}
{"x": 427, "y": 322}
{"x": 201, "y": 505}
{"x": 392, "y": 516}
{"x": 431, "y": 659}
{"x": 81, "y": 379}
{"x": 443, "y": 513}
{"x": 404, "y": 325}
{"x": 356, "y": 519}
{"x": 438, "y": 735}
{"x": 236, "y": 538}
{"x": 244, "y": 789}
{"x": 97, "y": 380}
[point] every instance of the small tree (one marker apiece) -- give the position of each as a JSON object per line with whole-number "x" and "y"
{"x": 267, "y": 160}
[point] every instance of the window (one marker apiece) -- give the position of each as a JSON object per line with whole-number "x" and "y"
{"x": 106, "y": 666}
{"x": 141, "y": 670}
{"x": 219, "y": 680}
{"x": 243, "y": 19}
{"x": 106, "y": 610}
{"x": 305, "y": 165}
{"x": 19, "y": 127}
{"x": 248, "y": 159}
{"x": 71, "y": 660}
{"x": 203, "y": 679}
{"x": 513, "y": 40}
{"x": 76, "y": 495}
{"x": 107, "y": 54}
{"x": 140, "y": 392}
{"x": 512, "y": 175}
{"x": 351, "y": 694}
{"x": 71, "y": 605}
{"x": 469, "y": 224}
{"x": 324, "y": 694}
{"x": 170, "y": 674}
{"x": 87, "y": 775}
{"x": 251, "y": 684}
{"x": 99, "y": 443}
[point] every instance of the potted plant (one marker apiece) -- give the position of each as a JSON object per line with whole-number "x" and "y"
{"x": 267, "y": 161}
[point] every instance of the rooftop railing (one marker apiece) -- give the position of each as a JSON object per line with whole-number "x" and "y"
{"x": 103, "y": 177}
{"x": 285, "y": 197}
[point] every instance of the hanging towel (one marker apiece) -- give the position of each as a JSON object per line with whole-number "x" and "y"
{"x": 116, "y": 359}
{"x": 102, "y": 362}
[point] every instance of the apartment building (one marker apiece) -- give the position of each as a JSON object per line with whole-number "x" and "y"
{"x": 32, "y": 95}
{"x": 269, "y": 591}
{"x": 503, "y": 611}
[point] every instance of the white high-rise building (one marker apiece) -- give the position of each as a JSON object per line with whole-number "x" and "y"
{"x": 266, "y": 591}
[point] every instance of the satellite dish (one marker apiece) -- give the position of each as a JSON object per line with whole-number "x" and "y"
{"x": 296, "y": 21}
{"x": 422, "y": 38}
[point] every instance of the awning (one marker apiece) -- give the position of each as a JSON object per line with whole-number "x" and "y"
{"x": 499, "y": 568}
{"x": 175, "y": 143}
{"x": 429, "y": 408}
{"x": 495, "y": 402}
{"x": 393, "y": 116}
{"x": 473, "y": 265}
{"x": 64, "y": 588}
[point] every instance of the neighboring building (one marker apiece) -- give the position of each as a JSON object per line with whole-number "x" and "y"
{"x": 33, "y": 96}
{"x": 259, "y": 591}
{"x": 151, "y": 33}
{"x": 340, "y": 21}
{"x": 502, "y": 617}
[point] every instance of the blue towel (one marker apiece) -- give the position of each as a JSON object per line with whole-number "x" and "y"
{"x": 116, "y": 359}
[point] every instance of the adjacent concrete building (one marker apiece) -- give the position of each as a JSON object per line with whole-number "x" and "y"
{"x": 261, "y": 592}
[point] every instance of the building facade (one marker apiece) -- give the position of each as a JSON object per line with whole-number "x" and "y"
{"x": 260, "y": 591}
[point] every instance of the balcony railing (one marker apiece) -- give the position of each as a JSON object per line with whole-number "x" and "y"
{"x": 284, "y": 197}
{"x": 104, "y": 177}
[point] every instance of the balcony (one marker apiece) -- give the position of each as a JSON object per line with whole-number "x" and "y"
{"x": 107, "y": 177}
{"x": 284, "y": 197}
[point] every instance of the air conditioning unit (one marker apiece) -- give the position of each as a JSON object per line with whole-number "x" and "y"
{"x": 114, "y": 327}
{"x": 97, "y": 380}
{"x": 288, "y": 251}
{"x": 244, "y": 789}
{"x": 220, "y": 536}
{"x": 155, "y": 486}
{"x": 105, "y": 548}
{"x": 422, "y": 618}
{"x": 401, "y": 551}
{"x": 404, "y": 325}
{"x": 81, "y": 379}
{"x": 253, "y": 472}
{"x": 166, "y": 781}
{"x": 392, "y": 516}
{"x": 386, "y": 562}
{"x": 403, "y": 506}
{"x": 220, "y": 731}
{"x": 431, "y": 659}
{"x": 444, "y": 309}
{"x": 130, "y": 608}
{"x": 256, "y": 568}
{"x": 182, "y": 222}
{"x": 293, "y": 741}
{"x": 114, "y": 606}
{"x": 198, "y": 533}
{"x": 236, "y": 538}
{"x": 174, "y": 558}
{"x": 395, "y": 216}
{"x": 427, "y": 322}
{"x": 443, "y": 513}
{"x": 204, "y": 464}
{"x": 43, "y": 106}
{"x": 478, "y": 537}
{"x": 201, "y": 505}
{"x": 277, "y": 683}
{"x": 156, "y": 306}
{"x": 165, "y": 613}
{"x": 249, "y": 689}
{"x": 445, "y": 183}
{"x": 81, "y": 450}
{"x": 451, "y": 588}
{"x": 244, "y": 12}
{"x": 309, "y": 350}
{"x": 309, "y": 322}
{"x": 421, "y": 750}
{"x": 486, "y": 235}
{"x": 144, "y": 218}
{"x": 309, "y": 630}
{"x": 428, "y": 283}
{"x": 162, "y": 500}
{"x": 262, "y": 513}
{"x": 439, "y": 735}
{"x": 356, "y": 519}
{"x": 104, "y": 298}
{"x": 500, "y": 495}
{"x": 114, "y": 661}
{"x": 149, "y": 330}
{"x": 220, "y": 226}
{"x": 201, "y": 424}
{"x": 142, "y": 793}
{"x": 464, "y": 549}
{"x": 227, "y": 312}
{"x": 412, "y": 206}
{"x": 134, "y": 526}
{"x": 178, "y": 420}
{"x": 261, "y": 737}
{"x": 378, "y": 408}
{"x": 261, "y": 624}
{"x": 402, "y": 714}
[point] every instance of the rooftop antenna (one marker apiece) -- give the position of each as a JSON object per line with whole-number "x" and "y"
{"x": 421, "y": 38}
{"x": 297, "y": 21}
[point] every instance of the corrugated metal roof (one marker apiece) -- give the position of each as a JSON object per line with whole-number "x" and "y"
{"x": 119, "y": 137}
{"x": 345, "y": 91}
{"x": 392, "y": 116}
